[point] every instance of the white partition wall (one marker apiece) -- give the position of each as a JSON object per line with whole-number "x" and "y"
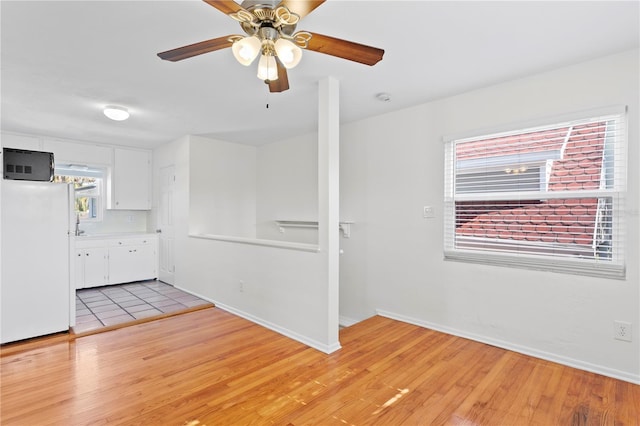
{"x": 290, "y": 287}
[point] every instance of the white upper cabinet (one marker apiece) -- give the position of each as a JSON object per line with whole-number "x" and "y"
{"x": 131, "y": 180}
{"x": 78, "y": 153}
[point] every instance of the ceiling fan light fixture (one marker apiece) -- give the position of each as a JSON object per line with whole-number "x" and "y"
{"x": 116, "y": 113}
{"x": 246, "y": 50}
{"x": 267, "y": 68}
{"x": 288, "y": 53}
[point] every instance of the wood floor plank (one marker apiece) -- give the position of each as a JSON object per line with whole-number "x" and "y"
{"x": 210, "y": 368}
{"x": 446, "y": 384}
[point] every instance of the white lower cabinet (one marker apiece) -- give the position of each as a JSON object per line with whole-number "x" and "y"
{"x": 132, "y": 260}
{"x": 115, "y": 260}
{"x": 91, "y": 267}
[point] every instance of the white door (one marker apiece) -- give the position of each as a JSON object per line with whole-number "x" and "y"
{"x": 166, "y": 231}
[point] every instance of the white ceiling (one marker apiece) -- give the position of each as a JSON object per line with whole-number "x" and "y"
{"x": 62, "y": 61}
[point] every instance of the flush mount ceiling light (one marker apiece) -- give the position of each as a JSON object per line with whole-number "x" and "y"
{"x": 116, "y": 113}
{"x": 270, "y": 26}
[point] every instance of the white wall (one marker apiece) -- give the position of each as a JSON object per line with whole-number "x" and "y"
{"x": 239, "y": 190}
{"x": 287, "y": 188}
{"x": 222, "y": 188}
{"x": 392, "y": 166}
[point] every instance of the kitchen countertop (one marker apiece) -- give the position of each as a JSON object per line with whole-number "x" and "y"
{"x": 84, "y": 237}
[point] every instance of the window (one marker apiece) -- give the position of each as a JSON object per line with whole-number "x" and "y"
{"x": 545, "y": 198}
{"x": 88, "y": 185}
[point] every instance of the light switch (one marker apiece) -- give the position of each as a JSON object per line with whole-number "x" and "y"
{"x": 427, "y": 212}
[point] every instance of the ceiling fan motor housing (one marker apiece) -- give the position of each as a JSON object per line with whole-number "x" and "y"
{"x": 266, "y": 16}
{"x": 250, "y": 4}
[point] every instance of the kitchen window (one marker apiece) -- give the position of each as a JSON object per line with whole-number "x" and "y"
{"x": 88, "y": 186}
{"x": 544, "y": 197}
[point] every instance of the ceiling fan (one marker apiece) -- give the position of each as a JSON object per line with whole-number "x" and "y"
{"x": 270, "y": 26}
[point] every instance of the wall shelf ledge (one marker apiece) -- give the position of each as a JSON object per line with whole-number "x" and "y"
{"x": 345, "y": 226}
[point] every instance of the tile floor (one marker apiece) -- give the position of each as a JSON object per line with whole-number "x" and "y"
{"x": 115, "y": 304}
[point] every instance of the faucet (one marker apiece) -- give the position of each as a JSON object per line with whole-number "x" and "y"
{"x": 78, "y": 230}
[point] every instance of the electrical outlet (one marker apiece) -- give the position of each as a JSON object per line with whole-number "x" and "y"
{"x": 622, "y": 330}
{"x": 241, "y": 286}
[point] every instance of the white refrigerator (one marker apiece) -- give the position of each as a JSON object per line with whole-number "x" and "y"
{"x": 35, "y": 285}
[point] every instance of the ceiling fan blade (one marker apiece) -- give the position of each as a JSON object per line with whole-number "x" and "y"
{"x": 302, "y": 7}
{"x": 345, "y": 49}
{"x": 282, "y": 83}
{"x": 195, "y": 49}
{"x": 224, "y": 6}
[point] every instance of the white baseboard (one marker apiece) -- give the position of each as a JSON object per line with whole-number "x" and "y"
{"x": 570, "y": 362}
{"x": 346, "y": 321}
{"x": 281, "y": 330}
{"x": 285, "y": 332}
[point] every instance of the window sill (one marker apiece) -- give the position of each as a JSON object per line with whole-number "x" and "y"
{"x": 600, "y": 269}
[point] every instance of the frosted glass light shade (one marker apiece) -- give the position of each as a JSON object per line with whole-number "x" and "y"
{"x": 246, "y": 50}
{"x": 267, "y": 68}
{"x": 288, "y": 53}
{"x": 116, "y": 113}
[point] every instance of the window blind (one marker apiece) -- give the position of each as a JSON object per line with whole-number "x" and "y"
{"x": 548, "y": 197}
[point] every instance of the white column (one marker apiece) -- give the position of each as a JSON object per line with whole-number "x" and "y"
{"x": 329, "y": 198}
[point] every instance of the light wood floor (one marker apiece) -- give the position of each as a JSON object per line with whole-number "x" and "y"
{"x": 212, "y": 368}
